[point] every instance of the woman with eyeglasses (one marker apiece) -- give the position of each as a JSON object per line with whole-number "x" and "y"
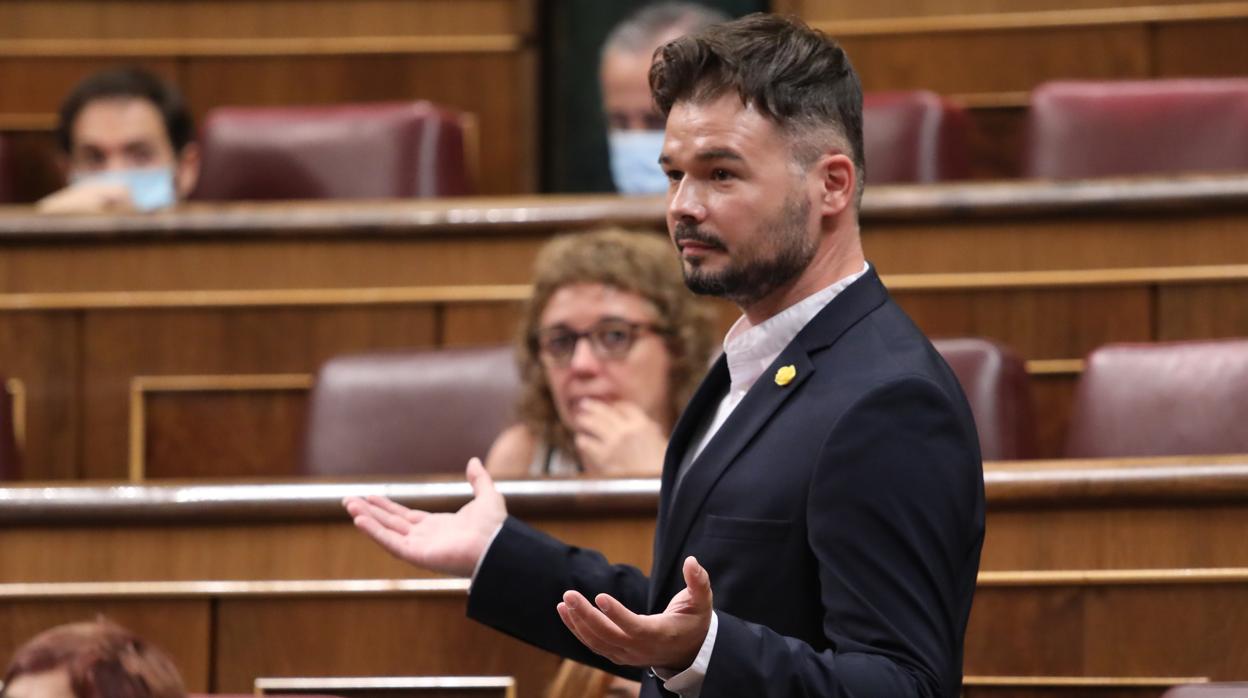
{"x": 611, "y": 348}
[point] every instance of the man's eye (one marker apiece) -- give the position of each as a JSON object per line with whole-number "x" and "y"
{"x": 721, "y": 175}
{"x": 674, "y": 175}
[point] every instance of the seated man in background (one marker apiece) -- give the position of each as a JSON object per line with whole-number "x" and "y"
{"x": 634, "y": 127}
{"x": 612, "y": 346}
{"x": 126, "y": 137}
{"x": 95, "y": 659}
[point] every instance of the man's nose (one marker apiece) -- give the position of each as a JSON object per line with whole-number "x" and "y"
{"x": 686, "y": 203}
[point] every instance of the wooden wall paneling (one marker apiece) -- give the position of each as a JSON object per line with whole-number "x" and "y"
{"x": 494, "y": 87}
{"x": 35, "y": 86}
{"x": 44, "y": 353}
{"x": 1201, "y": 311}
{"x": 259, "y": 19}
{"x": 1043, "y": 323}
{"x": 1114, "y": 537}
{"x": 410, "y": 635}
{"x": 996, "y": 141}
{"x": 996, "y": 62}
{"x": 391, "y": 686}
{"x": 1053, "y": 242}
{"x": 1205, "y": 49}
{"x": 180, "y": 627}
{"x": 480, "y": 324}
{"x": 125, "y": 344}
{"x": 283, "y": 548}
{"x": 185, "y": 551}
{"x": 219, "y": 426}
{"x": 265, "y": 262}
{"x": 1136, "y": 628}
{"x": 988, "y": 10}
{"x": 1071, "y": 687}
{"x": 1053, "y": 396}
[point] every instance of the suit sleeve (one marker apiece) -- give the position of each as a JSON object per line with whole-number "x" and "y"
{"x": 895, "y": 523}
{"x": 523, "y": 577}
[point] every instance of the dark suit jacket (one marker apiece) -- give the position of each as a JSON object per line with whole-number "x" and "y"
{"x": 840, "y": 518}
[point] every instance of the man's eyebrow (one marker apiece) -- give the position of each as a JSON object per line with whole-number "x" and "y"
{"x": 709, "y": 155}
{"x": 719, "y": 154}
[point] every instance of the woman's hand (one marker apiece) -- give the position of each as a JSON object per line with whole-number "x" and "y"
{"x": 618, "y": 439}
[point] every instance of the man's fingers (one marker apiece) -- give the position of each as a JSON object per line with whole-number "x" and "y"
{"x": 628, "y": 622}
{"x": 372, "y": 510}
{"x": 698, "y": 581}
{"x": 386, "y": 538}
{"x": 392, "y": 507}
{"x": 593, "y": 628}
{"x": 482, "y": 483}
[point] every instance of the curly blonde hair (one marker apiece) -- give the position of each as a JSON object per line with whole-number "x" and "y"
{"x": 636, "y": 262}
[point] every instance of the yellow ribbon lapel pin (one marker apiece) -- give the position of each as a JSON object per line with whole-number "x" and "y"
{"x": 785, "y": 375}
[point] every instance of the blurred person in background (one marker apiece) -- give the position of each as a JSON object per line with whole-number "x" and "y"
{"x": 634, "y": 126}
{"x": 612, "y": 346}
{"x": 94, "y": 659}
{"x": 127, "y": 142}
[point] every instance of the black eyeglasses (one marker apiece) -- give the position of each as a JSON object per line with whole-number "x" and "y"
{"x": 610, "y": 340}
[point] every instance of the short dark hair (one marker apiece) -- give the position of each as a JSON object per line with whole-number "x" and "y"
{"x": 128, "y": 81}
{"x": 795, "y": 76}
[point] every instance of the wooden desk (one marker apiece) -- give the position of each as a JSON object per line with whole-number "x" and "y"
{"x": 182, "y": 343}
{"x": 1132, "y": 571}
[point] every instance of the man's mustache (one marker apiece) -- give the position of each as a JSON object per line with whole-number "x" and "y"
{"x": 686, "y": 232}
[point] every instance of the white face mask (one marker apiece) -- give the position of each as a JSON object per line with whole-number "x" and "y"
{"x": 150, "y": 188}
{"x": 635, "y": 162}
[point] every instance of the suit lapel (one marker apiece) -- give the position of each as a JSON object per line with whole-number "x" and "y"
{"x": 678, "y": 509}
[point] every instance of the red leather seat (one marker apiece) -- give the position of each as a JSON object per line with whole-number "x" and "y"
{"x": 333, "y": 152}
{"x": 995, "y": 382}
{"x": 406, "y": 413}
{"x": 1167, "y": 399}
{"x": 10, "y": 465}
{"x": 1099, "y": 129}
{"x": 913, "y": 137}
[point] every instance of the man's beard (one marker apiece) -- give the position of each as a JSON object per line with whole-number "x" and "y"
{"x": 747, "y": 280}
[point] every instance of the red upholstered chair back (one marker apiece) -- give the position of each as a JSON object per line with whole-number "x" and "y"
{"x": 334, "y": 152}
{"x": 407, "y": 413}
{"x": 1100, "y": 129}
{"x": 10, "y": 466}
{"x": 1180, "y": 398}
{"x": 995, "y": 382}
{"x": 913, "y": 137}
{"x": 6, "y": 173}
{"x": 1208, "y": 690}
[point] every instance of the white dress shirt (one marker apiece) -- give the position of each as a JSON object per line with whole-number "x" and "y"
{"x": 750, "y": 350}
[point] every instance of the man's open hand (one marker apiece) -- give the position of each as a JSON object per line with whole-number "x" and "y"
{"x": 668, "y": 640}
{"x": 446, "y": 543}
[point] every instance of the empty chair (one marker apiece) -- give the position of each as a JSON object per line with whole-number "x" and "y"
{"x": 407, "y": 413}
{"x": 9, "y": 465}
{"x": 1178, "y": 398}
{"x": 914, "y": 137}
{"x": 334, "y": 152}
{"x": 995, "y": 382}
{"x": 1099, "y": 129}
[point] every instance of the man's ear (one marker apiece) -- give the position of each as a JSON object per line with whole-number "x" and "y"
{"x": 838, "y": 182}
{"x": 186, "y": 175}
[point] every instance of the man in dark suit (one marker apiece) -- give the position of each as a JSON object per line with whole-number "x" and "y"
{"x": 825, "y": 481}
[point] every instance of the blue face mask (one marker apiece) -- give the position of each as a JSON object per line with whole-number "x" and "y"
{"x": 150, "y": 188}
{"x": 635, "y": 162}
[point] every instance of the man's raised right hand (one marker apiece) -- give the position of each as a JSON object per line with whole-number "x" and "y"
{"x": 445, "y": 543}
